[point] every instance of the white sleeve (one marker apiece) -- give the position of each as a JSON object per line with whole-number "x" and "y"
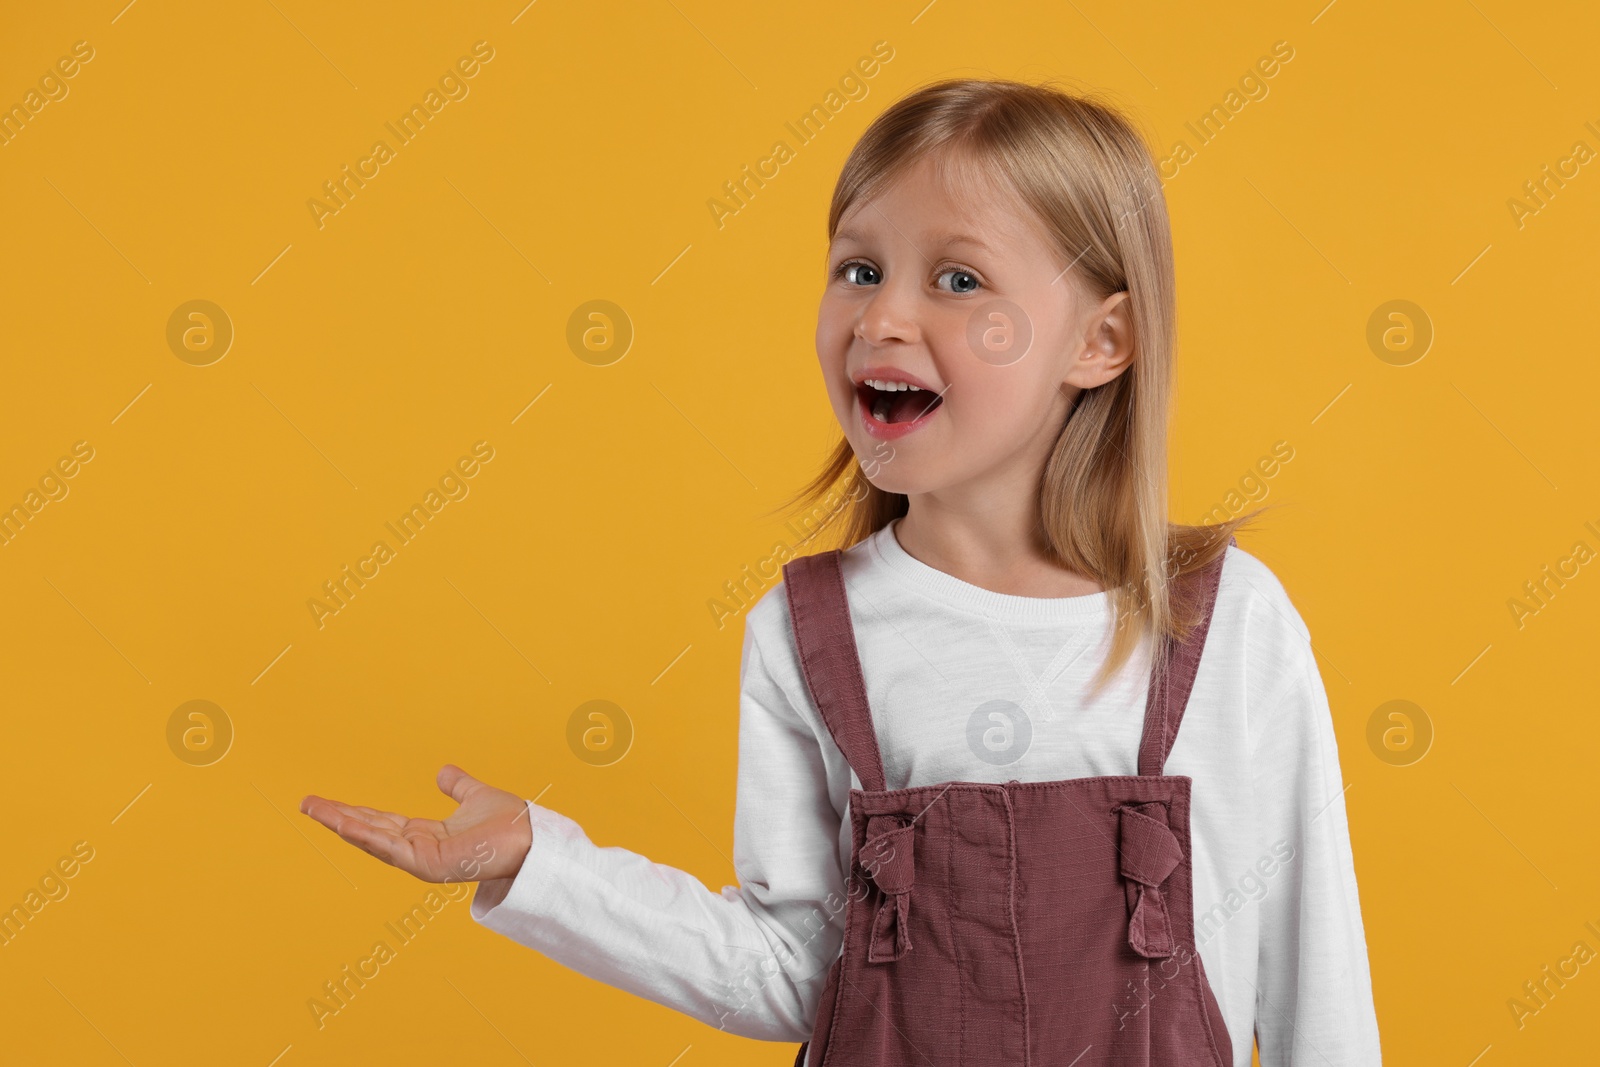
{"x": 1314, "y": 1005}
{"x": 751, "y": 960}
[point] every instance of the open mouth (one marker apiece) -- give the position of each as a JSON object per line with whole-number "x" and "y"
{"x": 894, "y": 406}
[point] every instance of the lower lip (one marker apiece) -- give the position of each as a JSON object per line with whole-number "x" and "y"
{"x": 890, "y": 431}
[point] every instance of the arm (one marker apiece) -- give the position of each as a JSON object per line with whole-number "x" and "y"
{"x": 1314, "y": 1005}
{"x": 750, "y": 960}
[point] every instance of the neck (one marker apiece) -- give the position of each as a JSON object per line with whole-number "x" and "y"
{"x": 997, "y": 546}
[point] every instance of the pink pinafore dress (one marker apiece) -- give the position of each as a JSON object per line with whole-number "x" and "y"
{"x": 1030, "y": 924}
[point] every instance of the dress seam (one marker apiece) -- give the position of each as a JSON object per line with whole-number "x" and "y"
{"x": 953, "y": 904}
{"x": 1016, "y": 934}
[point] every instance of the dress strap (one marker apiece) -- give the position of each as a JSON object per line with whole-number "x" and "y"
{"x": 1169, "y": 690}
{"x": 820, "y": 614}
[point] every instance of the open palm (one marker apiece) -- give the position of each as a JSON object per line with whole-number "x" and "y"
{"x": 486, "y": 837}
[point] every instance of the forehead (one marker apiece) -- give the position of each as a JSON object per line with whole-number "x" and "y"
{"x": 940, "y": 200}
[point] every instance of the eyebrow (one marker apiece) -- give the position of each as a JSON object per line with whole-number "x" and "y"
{"x": 943, "y": 240}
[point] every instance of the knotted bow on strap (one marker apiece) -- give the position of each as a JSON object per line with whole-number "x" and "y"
{"x": 886, "y": 856}
{"x": 1149, "y": 853}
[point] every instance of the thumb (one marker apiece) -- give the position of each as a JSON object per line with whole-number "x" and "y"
{"x": 455, "y": 782}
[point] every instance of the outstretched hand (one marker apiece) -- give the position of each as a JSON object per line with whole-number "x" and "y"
{"x": 486, "y": 837}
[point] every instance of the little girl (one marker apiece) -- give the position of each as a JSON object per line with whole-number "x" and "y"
{"x": 969, "y": 829}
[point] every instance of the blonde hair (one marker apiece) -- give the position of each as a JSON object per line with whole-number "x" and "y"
{"x": 1081, "y": 167}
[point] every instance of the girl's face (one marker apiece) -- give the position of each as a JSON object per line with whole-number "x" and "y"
{"x": 961, "y": 297}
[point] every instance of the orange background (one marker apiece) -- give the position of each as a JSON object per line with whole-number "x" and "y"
{"x": 432, "y": 310}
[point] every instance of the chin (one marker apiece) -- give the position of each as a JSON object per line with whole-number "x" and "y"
{"x": 903, "y": 481}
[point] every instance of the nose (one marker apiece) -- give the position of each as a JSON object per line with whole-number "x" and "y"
{"x": 888, "y": 316}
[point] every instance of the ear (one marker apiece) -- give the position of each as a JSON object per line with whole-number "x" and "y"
{"x": 1107, "y": 344}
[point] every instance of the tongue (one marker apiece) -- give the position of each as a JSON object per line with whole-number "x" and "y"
{"x": 905, "y": 405}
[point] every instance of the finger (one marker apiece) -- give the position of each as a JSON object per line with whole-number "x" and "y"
{"x": 377, "y": 841}
{"x": 330, "y": 812}
{"x": 456, "y": 783}
{"x": 388, "y": 847}
{"x": 336, "y": 817}
{"x": 389, "y": 820}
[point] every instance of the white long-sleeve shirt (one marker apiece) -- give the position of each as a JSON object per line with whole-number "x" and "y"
{"x": 1277, "y": 916}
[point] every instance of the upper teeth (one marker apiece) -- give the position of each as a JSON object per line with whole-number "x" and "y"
{"x": 892, "y": 387}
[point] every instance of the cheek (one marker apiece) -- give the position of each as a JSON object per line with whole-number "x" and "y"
{"x": 1000, "y": 403}
{"x": 991, "y": 402}
{"x": 825, "y": 334}
{"x": 834, "y": 333}
{"x": 833, "y": 345}
{"x": 832, "y": 318}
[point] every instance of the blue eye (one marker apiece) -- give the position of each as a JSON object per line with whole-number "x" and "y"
{"x": 971, "y": 279}
{"x": 866, "y": 274}
{"x": 845, "y": 267}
